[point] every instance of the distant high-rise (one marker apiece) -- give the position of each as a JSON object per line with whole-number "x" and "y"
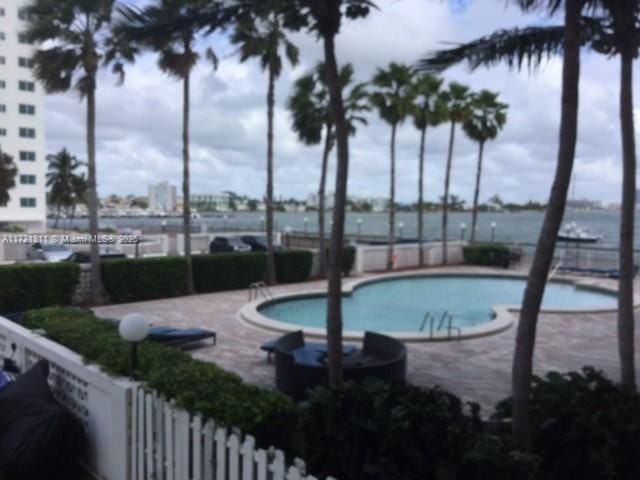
{"x": 162, "y": 197}
{"x": 21, "y": 121}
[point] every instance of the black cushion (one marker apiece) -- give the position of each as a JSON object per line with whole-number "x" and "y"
{"x": 39, "y": 438}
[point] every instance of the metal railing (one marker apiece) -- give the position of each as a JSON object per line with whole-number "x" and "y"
{"x": 431, "y": 320}
{"x": 258, "y": 289}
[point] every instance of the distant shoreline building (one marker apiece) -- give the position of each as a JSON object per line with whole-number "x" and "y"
{"x": 21, "y": 121}
{"x": 212, "y": 202}
{"x": 162, "y": 197}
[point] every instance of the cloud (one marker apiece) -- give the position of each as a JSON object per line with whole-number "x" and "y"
{"x": 140, "y": 123}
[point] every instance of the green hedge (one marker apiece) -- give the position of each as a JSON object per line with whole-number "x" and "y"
{"x": 227, "y": 271}
{"x": 132, "y": 280}
{"x": 27, "y": 286}
{"x": 293, "y": 266}
{"x": 348, "y": 259}
{"x": 488, "y": 254}
{"x": 195, "y": 385}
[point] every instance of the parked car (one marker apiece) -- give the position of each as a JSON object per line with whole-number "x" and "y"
{"x": 49, "y": 252}
{"x": 228, "y": 244}
{"x": 258, "y": 244}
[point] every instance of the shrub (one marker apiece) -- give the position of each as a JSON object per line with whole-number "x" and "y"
{"x": 194, "y": 385}
{"x": 293, "y": 266}
{"x": 227, "y": 271}
{"x": 489, "y": 254}
{"x": 348, "y": 259}
{"x": 398, "y": 431}
{"x": 27, "y": 286}
{"x": 130, "y": 280}
{"x": 583, "y": 426}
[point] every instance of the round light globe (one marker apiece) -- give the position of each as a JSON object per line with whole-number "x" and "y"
{"x": 134, "y": 327}
{"x": 288, "y": 230}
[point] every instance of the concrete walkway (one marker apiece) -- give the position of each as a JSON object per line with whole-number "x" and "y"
{"x": 477, "y": 369}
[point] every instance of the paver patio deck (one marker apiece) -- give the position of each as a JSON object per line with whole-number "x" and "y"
{"x": 476, "y": 369}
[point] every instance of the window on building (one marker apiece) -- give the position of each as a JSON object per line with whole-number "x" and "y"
{"x": 27, "y": 132}
{"x": 3, "y": 84}
{"x": 26, "y": 86}
{"x": 3, "y": 132}
{"x": 2, "y": 36}
{"x": 27, "y": 156}
{"x": 23, "y": 14}
{"x": 25, "y": 62}
{"x": 1, "y": 12}
{"x": 24, "y": 39}
{"x": 27, "y": 109}
{"x": 27, "y": 179}
{"x": 3, "y": 60}
{"x": 3, "y": 108}
{"x": 27, "y": 202}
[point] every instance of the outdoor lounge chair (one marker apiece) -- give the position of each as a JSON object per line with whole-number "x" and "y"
{"x": 176, "y": 337}
{"x": 381, "y": 357}
{"x": 270, "y": 347}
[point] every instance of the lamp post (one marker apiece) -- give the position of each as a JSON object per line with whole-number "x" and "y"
{"x": 400, "y": 228}
{"x": 134, "y": 328}
{"x": 287, "y": 236}
{"x": 463, "y": 228}
{"x": 224, "y": 222}
{"x": 359, "y": 227}
{"x": 262, "y": 222}
{"x": 163, "y": 223}
{"x": 493, "y": 232}
{"x": 306, "y": 224}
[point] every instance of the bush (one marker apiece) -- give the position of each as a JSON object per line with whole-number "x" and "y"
{"x": 583, "y": 426}
{"x": 27, "y": 286}
{"x": 489, "y": 254}
{"x": 132, "y": 280}
{"x": 398, "y": 431}
{"x": 293, "y": 266}
{"x": 227, "y": 271}
{"x": 348, "y": 259}
{"x": 195, "y": 385}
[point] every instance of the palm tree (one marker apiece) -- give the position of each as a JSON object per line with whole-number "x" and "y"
{"x": 8, "y": 172}
{"x": 490, "y": 50}
{"x": 487, "y": 118}
{"x": 75, "y": 37}
{"x": 177, "y": 57}
{"x": 79, "y": 195}
{"x": 311, "y": 112}
{"x": 263, "y": 37}
{"x": 458, "y": 103}
{"x": 324, "y": 19}
{"x": 393, "y": 98}
{"x": 61, "y": 180}
{"x": 429, "y": 109}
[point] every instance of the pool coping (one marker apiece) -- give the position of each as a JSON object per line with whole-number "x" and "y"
{"x": 503, "y": 320}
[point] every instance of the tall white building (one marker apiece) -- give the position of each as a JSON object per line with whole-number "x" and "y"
{"x": 162, "y": 197}
{"x": 21, "y": 121}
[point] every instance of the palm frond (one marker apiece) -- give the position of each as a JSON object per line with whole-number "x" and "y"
{"x": 515, "y": 47}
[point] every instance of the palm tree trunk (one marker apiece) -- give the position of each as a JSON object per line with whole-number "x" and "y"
{"x": 96, "y": 274}
{"x": 476, "y": 195}
{"x": 536, "y": 282}
{"x": 334, "y": 293}
{"x": 271, "y": 263}
{"x": 55, "y": 224}
{"x": 321, "y": 205}
{"x": 186, "y": 190}
{"x": 626, "y": 333}
{"x": 445, "y": 205}
{"x": 392, "y": 202}
{"x": 423, "y": 137}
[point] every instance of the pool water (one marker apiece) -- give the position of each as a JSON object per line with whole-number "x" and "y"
{"x": 400, "y": 304}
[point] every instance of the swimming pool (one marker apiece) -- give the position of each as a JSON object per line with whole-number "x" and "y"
{"x": 399, "y": 304}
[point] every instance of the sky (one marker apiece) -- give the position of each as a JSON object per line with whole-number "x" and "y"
{"x": 139, "y": 123}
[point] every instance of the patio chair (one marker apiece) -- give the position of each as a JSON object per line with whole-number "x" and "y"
{"x": 270, "y": 347}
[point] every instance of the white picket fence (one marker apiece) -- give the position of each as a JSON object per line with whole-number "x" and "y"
{"x": 169, "y": 443}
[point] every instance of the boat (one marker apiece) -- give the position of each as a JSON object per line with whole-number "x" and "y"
{"x": 572, "y": 233}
